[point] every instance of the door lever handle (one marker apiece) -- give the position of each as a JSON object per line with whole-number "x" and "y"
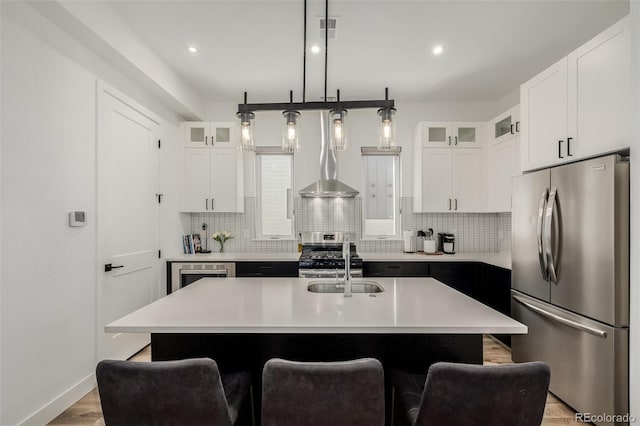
{"x": 108, "y": 267}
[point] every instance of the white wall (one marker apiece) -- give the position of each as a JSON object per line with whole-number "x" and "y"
{"x": 362, "y": 132}
{"x": 48, "y": 156}
{"x": 634, "y": 323}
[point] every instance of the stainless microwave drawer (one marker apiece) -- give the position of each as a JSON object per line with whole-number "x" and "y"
{"x": 588, "y": 359}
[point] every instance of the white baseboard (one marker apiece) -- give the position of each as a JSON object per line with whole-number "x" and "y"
{"x": 55, "y": 407}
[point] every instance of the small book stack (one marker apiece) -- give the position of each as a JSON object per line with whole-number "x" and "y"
{"x": 191, "y": 244}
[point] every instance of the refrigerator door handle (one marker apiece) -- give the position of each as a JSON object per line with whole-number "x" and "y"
{"x": 562, "y": 320}
{"x": 551, "y": 267}
{"x": 541, "y": 255}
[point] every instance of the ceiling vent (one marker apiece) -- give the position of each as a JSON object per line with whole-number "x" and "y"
{"x": 332, "y": 27}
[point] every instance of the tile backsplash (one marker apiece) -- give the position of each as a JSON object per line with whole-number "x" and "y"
{"x": 475, "y": 232}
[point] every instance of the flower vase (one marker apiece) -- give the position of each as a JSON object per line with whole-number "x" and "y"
{"x": 221, "y": 246}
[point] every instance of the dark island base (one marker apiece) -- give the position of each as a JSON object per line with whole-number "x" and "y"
{"x": 248, "y": 352}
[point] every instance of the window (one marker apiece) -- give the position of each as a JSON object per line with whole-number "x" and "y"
{"x": 381, "y": 195}
{"x": 274, "y": 183}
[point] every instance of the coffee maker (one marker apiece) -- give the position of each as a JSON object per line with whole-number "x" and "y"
{"x": 447, "y": 243}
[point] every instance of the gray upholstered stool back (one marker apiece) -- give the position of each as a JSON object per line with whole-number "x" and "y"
{"x": 187, "y": 392}
{"x": 464, "y": 394}
{"x": 323, "y": 394}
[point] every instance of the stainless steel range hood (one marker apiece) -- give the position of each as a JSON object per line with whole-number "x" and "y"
{"x": 328, "y": 186}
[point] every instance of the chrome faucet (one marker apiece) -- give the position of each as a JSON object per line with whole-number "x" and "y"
{"x": 346, "y": 254}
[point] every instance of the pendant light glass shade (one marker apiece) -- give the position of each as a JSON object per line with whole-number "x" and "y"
{"x": 386, "y": 129}
{"x": 290, "y": 137}
{"x": 338, "y": 130}
{"x": 246, "y": 131}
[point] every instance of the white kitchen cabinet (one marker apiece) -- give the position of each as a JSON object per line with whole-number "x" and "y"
{"x": 505, "y": 126}
{"x": 202, "y": 134}
{"x": 451, "y": 134}
{"x": 449, "y": 180}
{"x": 578, "y": 107}
{"x": 502, "y": 162}
{"x": 436, "y": 181}
{"x": 599, "y": 93}
{"x": 466, "y": 190}
{"x": 213, "y": 180}
{"x": 543, "y": 110}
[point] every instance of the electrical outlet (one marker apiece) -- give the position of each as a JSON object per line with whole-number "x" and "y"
{"x": 245, "y": 233}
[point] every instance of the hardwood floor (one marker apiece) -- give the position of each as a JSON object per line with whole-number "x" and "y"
{"x": 87, "y": 412}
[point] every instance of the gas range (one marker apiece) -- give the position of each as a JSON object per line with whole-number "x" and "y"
{"x": 322, "y": 255}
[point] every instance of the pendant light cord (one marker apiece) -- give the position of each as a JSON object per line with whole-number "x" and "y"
{"x": 304, "y": 56}
{"x": 326, "y": 44}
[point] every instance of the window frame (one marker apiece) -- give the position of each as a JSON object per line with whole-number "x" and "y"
{"x": 268, "y": 151}
{"x": 367, "y": 151}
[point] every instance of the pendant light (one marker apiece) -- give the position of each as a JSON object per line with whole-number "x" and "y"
{"x": 246, "y": 128}
{"x": 337, "y": 110}
{"x": 387, "y": 127}
{"x": 290, "y": 133}
{"x": 338, "y": 136}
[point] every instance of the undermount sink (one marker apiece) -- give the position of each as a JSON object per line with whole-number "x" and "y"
{"x": 333, "y": 287}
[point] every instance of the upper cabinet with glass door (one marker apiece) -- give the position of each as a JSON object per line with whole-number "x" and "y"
{"x": 216, "y": 135}
{"x": 505, "y": 126}
{"x": 451, "y": 134}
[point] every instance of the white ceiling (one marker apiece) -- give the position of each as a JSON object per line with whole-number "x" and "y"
{"x": 491, "y": 47}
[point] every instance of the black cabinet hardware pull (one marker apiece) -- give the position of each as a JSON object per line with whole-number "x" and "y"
{"x": 206, "y": 203}
{"x": 393, "y": 266}
{"x": 449, "y": 140}
{"x": 517, "y": 126}
{"x": 449, "y": 203}
{"x": 108, "y": 267}
{"x": 512, "y": 132}
{"x": 206, "y": 139}
{"x": 456, "y": 208}
{"x": 569, "y": 147}
{"x": 456, "y": 140}
{"x": 560, "y": 149}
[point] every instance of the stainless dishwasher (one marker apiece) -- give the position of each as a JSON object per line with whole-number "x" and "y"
{"x": 183, "y": 274}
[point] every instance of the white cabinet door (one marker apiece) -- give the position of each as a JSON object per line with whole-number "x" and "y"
{"x": 466, "y": 135}
{"x": 224, "y": 180}
{"x": 599, "y": 93}
{"x": 467, "y": 180}
{"x": 503, "y": 166}
{"x": 197, "y": 134}
{"x": 436, "y": 180}
{"x": 543, "y": 106}
{"x": 223, "y": 135}
{"x": 196, "y": 180}
{"x": 436, "y": 134}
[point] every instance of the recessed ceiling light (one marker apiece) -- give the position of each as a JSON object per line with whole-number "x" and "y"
{"x": 438, "y": 50}
{"x": 315, "y": 49}
{"x": 193, "y": 49}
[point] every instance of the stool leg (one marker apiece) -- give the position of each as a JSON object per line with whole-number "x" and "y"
{"x": 393, "y": 404}
{"x": 253, "y": 411}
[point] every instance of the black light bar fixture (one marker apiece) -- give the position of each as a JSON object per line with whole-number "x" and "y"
{"x": 338, "y": 109}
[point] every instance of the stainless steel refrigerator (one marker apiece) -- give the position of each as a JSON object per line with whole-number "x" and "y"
{"x": 570, "y": 280}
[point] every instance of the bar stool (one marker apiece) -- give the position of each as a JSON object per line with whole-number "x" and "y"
{"x": 473, "y": 395}
{"x": 190, "y": 391}
{"x": 323, "y": 393}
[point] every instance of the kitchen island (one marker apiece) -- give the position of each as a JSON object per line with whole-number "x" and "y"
{"x": 243, "y": 322}
{"x": 238, "y": 321}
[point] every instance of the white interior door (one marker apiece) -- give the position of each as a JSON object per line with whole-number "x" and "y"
{"x": 127, "y": 218}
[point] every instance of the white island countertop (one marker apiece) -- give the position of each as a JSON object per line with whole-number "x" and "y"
{"x": 283, "y": 305}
